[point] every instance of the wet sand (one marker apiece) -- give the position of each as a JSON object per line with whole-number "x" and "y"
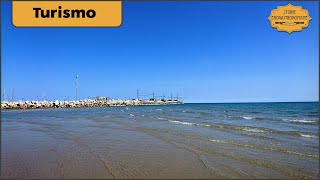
{"x": 96, "y": 152}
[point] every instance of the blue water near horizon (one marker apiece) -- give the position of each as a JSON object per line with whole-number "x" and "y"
{"x": 282, "y": 139}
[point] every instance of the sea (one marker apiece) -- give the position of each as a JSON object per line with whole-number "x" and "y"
{"x": 210, "y": 140}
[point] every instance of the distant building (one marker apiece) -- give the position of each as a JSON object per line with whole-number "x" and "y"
{"x": 101, "y": 99}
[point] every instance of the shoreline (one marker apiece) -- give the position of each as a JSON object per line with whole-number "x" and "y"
{"x": 24, "y": 105}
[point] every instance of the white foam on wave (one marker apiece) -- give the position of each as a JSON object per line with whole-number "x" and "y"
{"x": 181, "y": 122}
{"x": 248, "y": 129}
{"x": 184, "y": 111}
{"x": 253, "y": 130}
{"x": 241, "y": 117}
{"x": 218, "y": 141}
{"x": 302, "y": 121}
{"x": 131, "y": 114}
{"x": 178, "y": 122}
{"x": 206, "y": 125}
{"x": 248, "y": 117}
{"x": 308, "y": 136}
{"x": 158, "y": 109}
{"x": 187, "y": 123}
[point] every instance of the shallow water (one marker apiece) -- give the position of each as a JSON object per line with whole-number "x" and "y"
{"x": 250, "y": 140}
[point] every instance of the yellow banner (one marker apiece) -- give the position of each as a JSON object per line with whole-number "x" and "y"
{"x": 289, "y": 18}
{"x": 67, "y": 13}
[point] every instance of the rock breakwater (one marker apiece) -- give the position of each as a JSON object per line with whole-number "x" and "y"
{"x": 81, "y": 103}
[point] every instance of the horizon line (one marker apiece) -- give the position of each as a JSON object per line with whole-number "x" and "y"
{"x": 252, "y": 102}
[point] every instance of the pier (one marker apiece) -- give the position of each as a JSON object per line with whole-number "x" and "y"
{"x": 98, "y": 102}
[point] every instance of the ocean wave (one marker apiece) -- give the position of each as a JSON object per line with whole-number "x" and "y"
{"x": 131, "y": 114}
{"x": 254, "y": 130}
{"x": 245, "y": 144}
{"x": 218, "y": 141}
{"x": 243, "y": 117}
{"x": 229, "y": 116}
{"x": 247, "y": 117}
{"x": 313, "y": 115}
{"x": 158, "y": 109}
{"x": 249, "y": 129}
{"x": 302, "y": 121}
{"x": 308, "y": 136}
{"x": 182, "y": 122}
{"x": 251, "y": 118}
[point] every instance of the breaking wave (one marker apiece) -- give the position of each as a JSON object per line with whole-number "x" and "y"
{"x": 302, "y": 121}
{"x": 309, "y": 136}
{"x": 247, "y": 117}
{"x": 243, "y": 117}
{"x": 254, "y": 130}
{"x": 182, "y": 122}
{"x": 249, "y": 129}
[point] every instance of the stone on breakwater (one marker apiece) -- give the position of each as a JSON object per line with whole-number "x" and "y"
{"x": 81, "y": 103}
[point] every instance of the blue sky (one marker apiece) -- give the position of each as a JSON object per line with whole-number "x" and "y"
{"x": 205, "y": 51}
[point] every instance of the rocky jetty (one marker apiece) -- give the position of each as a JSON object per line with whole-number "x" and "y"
{"x": 82, "y": 103}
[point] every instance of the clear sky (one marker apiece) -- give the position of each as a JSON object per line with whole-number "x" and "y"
{"x": 205, "y": 51}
